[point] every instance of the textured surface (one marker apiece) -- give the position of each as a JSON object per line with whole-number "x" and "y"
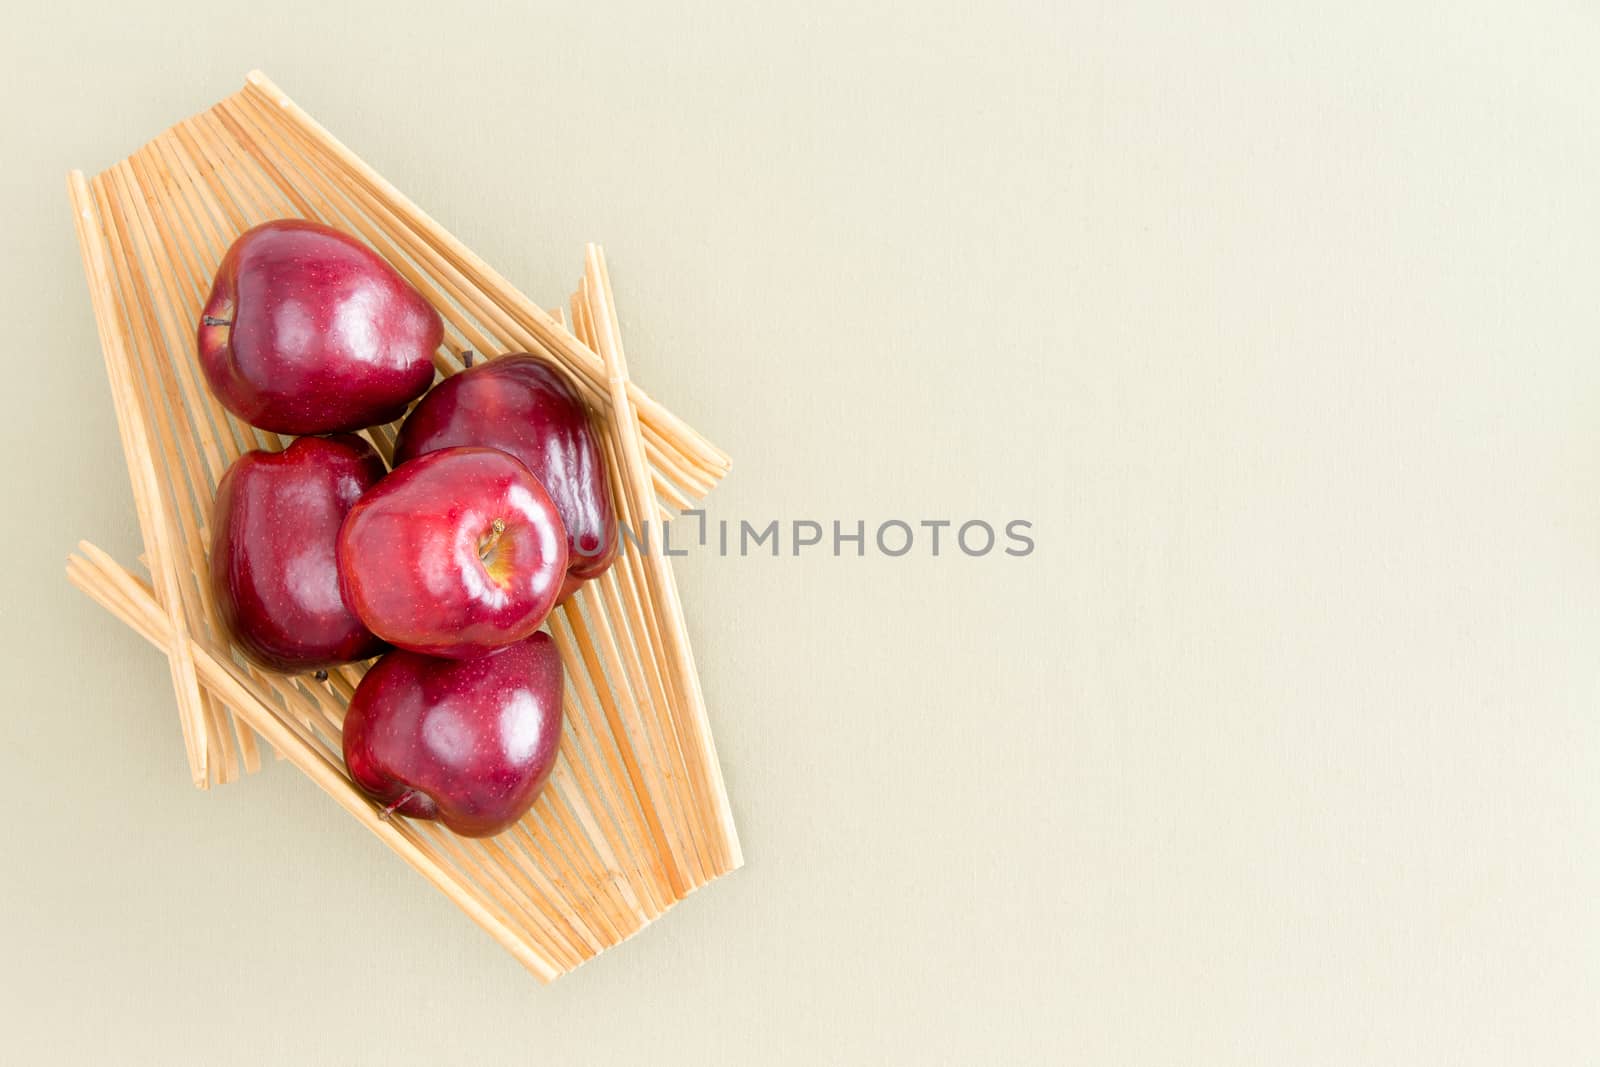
{"x": 1282, "y": 748}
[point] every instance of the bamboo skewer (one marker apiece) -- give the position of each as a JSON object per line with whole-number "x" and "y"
{"x": 181, "y": 459}
{"x": 632, "y": 819}
{"x": 147, "y": 490}
{"x": 634, "y": 728}
{"x": 202, "y": 409}
{"x": 672, "y": 623}
{"x": 636, "y": 647}
{"x": 602, "y": 825}
{"x": 193, "y": 199}
{"x": 622, "y": 587}
{"x": 648, "y": 880}
{"x": 635, "y": 807}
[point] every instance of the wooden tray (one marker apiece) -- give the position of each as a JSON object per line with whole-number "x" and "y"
{"x": 635, "y": 815}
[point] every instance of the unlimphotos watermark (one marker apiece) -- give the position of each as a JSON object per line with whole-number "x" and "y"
{"x": 794, "y": 537}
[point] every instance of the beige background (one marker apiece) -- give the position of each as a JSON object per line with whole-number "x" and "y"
{"x": 1279, "y": 324}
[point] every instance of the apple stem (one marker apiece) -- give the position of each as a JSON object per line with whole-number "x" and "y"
{"x": 499, "y": 527}
{"x": 212, "y": 320}
{"x": 468, "y": 357}
{"x": 390, "y": 810}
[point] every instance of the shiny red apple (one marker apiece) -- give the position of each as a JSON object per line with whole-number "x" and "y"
{"x": 467, "y": 742}
{"x": 524, "y": 405}
{"x": 454, "y": 554}
{"x": 308, "y": 330}
{"x": 274, "y": 531}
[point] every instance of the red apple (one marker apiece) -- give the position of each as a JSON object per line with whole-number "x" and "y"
{"x": 454, "y": 554}
{"x": 467, "y": 742}
{"x": 309, "y": 331}
{"x": 274, "y": 529}
{"x": 524, "y": 405}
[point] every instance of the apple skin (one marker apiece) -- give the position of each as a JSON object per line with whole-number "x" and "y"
{"x": 423, "y": 565}
{"x": 467, "y": 742}
{"x": 524, "y": 405}
{"x": 309, "y": 331}
{"x": 274, "y": 530}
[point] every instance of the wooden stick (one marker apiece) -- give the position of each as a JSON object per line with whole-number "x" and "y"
{"x": 496, "y": 879}
{"x": 636, "y": 637}
{"x": 583, "y": 674}
{"x": 631, "y": 624}
{"x": 647, "y": 784}
{"x": 147, "y": 487}
{"x": 210, "y": 245}
{"x": 141, "y": 284}
{"x": 573, "y": 822}
{"x": 201, "y": 408}
{"x": 225, "y": 191}
{"x": 544, "y": 904}
{"x": 673, "y": 627}
{"x": 176, "y": 214}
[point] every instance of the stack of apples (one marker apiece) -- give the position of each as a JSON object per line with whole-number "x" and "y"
{"x": 498, "y": 508}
